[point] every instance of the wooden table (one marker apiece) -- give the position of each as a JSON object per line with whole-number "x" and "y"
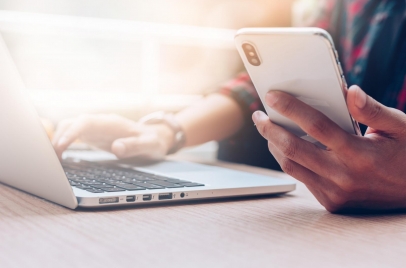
{"x": 289, "y": 231}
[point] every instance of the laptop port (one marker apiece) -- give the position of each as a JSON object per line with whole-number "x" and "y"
{"x": 130, "y": 198}
{"x": 147, "y": 197}
{"x": 165, "y": 196}
{"x": 108, "y": 200}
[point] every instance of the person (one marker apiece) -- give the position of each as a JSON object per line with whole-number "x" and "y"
{"x": 354, "y": 173}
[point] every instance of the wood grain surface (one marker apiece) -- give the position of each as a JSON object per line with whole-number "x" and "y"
{"x": 287, "y": 231}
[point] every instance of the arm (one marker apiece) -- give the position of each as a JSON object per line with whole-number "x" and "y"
{"x": 213, "y": 118}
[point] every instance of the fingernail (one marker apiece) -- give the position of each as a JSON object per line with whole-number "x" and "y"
{"x": 119, "y": 148}
{"x": 62, "y": 142}
{"x": 270, "y": 98}
{"x": 259, "y": 116}
{"x": 360, "y": 99}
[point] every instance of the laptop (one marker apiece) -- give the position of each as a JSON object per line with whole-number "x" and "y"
{"x": 28, "y": 162}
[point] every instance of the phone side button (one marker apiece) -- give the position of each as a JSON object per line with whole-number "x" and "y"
{"x": 341, "y": 68}
{"x": 336, "y": 53}
{"x": 344, "y": 82}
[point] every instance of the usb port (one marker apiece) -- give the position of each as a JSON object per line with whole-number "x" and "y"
{"x": 165, "y": 196}
{"x": 130, "y": 198}
{"x": 147, "y": 197}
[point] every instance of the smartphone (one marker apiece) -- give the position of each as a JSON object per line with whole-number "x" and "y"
{"x": 302, "y": 62}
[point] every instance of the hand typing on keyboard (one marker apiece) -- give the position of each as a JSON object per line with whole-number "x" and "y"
{"x": 115, "y": 134}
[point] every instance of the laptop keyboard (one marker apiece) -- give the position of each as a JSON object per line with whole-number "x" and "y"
{"x": 97, "y": 179}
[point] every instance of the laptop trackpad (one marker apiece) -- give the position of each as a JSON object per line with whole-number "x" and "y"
{"x": 211, "y": 175}
{"x": 170, "y": 167}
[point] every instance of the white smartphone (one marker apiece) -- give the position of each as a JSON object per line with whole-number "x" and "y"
{"x": 302, "y": 62}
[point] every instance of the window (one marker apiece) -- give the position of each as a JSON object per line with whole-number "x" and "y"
{"x": 129, "y": 57}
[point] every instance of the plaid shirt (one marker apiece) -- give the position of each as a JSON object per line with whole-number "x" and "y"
{"x": 370, "y": 36}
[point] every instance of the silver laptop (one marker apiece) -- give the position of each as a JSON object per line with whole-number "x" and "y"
{"x": 28, "y": 162}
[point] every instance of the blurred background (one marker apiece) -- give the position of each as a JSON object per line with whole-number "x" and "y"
{"x": 130, "y": 57}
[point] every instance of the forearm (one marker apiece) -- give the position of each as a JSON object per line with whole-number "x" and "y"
{"x": 218, "y": 116}
{"x": 214, "y": 118}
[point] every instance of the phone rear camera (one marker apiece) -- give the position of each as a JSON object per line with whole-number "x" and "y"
{"x": 248, "y": 47}
{"x": 251, "y": 54}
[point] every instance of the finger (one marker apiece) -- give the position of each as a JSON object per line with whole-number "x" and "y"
{"x": 321, "y": 197}
{"x": 143, "y": 145}
{"x": 313, "y": 122}
{"x": 368, "y": 111}
{"x": 60, "y": 129}
{"x": 296, "y": 170}
{"x": 73, "y": 132}
{"x": 293, "y": 147}
{"x": 325, "y": 191}
{"x": 370, "y": 131}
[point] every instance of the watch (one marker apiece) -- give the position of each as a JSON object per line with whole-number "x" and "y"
{"x": 169, "y": 120}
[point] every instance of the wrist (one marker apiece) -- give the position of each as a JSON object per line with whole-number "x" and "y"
{"x": 166, "y": 135}
{"x": 175, "y": 137}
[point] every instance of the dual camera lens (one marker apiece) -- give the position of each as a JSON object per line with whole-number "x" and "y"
{"x": 251, "y": 54}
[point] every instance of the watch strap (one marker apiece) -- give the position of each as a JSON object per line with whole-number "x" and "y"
{"x": 169, "y": 120}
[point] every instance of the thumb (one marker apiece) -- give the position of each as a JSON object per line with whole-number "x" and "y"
{"x": 135, "y": 146}
{"x": 369, "y": 112}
